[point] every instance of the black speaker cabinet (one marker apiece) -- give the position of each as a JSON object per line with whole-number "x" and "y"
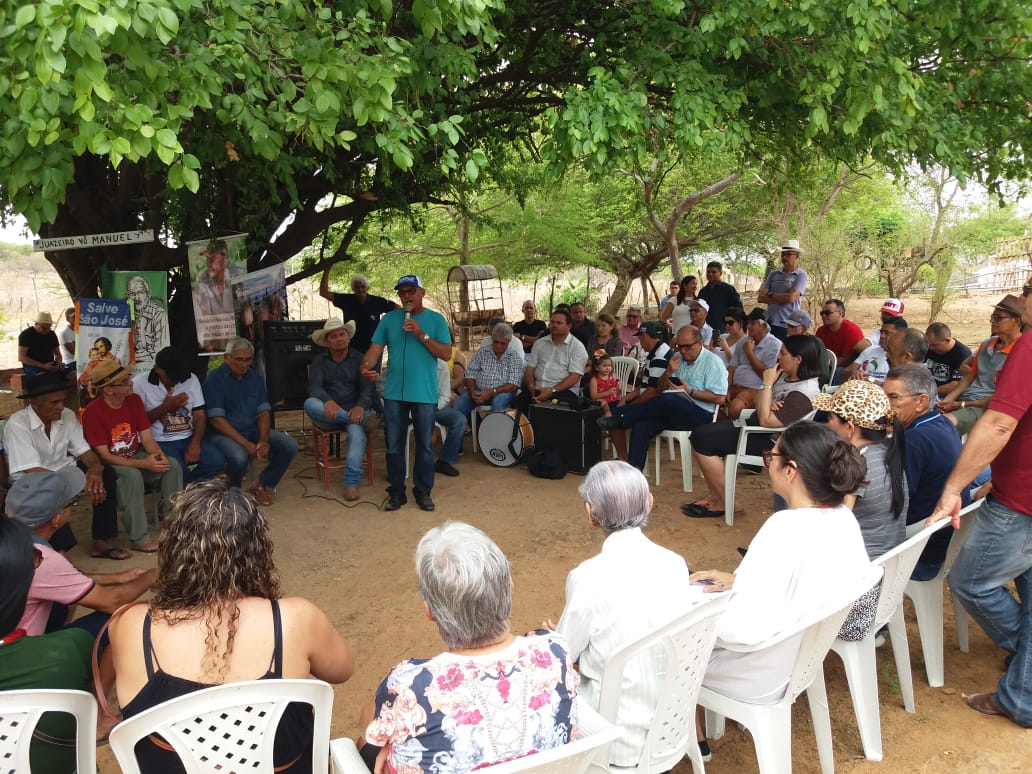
{"x": 575, "y": 433}
{"x": 288, "y": 351}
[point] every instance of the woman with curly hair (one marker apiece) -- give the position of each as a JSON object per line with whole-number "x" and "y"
{"x": 217, "y": 617}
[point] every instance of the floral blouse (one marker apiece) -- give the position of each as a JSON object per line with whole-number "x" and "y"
{"x": 452, "y": 713}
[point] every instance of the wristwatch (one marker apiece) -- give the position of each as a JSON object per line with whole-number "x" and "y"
{"x": 764, "y": 387}
{"x": 426, "y": 337}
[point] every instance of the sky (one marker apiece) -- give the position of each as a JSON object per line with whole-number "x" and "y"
{"x": 13, "y": 232}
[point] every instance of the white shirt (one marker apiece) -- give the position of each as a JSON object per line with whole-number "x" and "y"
{"x": 174, "y": 425}
{"x": 612, "y": 599}
{"x": 67, "y": 337}
{"x": 27, "y": 445}
{"x": 554, "y": 362}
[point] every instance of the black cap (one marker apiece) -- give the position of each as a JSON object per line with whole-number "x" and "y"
{"x": 759, "y": 313}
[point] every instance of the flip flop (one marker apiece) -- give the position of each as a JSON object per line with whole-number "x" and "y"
{"x": 147, "y": 548}
{"x": 111, "y": 552}
{"x": 699, "y": 512}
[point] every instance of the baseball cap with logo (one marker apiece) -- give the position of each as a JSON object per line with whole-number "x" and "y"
{"x": 892, "y": 306}
{"x": 410, "y": 280}
{"x": 798, "y": 318}
{"x": 652, "y": 328}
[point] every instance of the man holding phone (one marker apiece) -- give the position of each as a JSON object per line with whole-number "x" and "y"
{"x": 693, "y": 385}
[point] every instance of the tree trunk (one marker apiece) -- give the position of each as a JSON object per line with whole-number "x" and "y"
{"x": 623, "y": 286}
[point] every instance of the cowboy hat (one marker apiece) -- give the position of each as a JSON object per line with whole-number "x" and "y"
{"x": 331, "y": 325}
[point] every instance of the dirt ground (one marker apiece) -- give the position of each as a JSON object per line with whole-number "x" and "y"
{"x": 355, "y": 562}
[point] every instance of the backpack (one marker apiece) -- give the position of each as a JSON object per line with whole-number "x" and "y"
{"x": 545, "y": 463}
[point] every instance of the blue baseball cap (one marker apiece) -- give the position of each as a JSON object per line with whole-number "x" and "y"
{"x": 409, "y": 279}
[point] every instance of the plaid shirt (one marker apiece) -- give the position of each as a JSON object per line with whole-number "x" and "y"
{"x": 488, "y": 371}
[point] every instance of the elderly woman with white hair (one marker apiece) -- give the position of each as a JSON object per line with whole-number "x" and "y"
{"x": 631, "y": 587}
{"x": 492, "y": 695}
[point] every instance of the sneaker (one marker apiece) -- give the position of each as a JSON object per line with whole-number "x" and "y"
{"x": 704, "y": 749}
{"x": 260, "y": 494}
{"x": 425, "y": 503}
{"x": 395, "y": 501}
{"x": 446, "y": 469}
{"x": 609, "y": 423}
{"x": 351, "y": 493}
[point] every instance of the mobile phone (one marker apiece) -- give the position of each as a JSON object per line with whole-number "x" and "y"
{"x": 675, "y": 380}
{"x": 704, "y": 582}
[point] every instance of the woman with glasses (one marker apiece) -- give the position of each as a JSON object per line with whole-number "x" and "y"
{"x": 805, "y": 561}
{"x": 734, "y": 333}
{"x": 785, "y": 396}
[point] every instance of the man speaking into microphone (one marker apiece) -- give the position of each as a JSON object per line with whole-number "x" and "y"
{"x": 414, "y": 338}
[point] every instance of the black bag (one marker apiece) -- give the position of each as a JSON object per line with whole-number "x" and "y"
{"x": 545, "y": 463}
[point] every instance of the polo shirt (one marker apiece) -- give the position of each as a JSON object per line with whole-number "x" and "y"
{"x": 412, "y": 368}
{"x": 55, "y": 580}
{"x": 172, "y": 425}
{"x": 766, "y": 351}
{"x": 28, "y": 446}
{"x": 781, "y": 282}
{"x": 988, "y": 362}
{"x": 238, "y": 401}
{"x": 706, "y": 373}
{"x": 1012, "y": 473}
{"x": 554, "y": 362}
{"x": 842, "y": 341}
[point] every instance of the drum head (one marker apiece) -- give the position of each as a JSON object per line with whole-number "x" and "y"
{"x": 494, "y": 434}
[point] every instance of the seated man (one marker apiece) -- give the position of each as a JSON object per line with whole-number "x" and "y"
{"x": 43, "y": 502}
{"x": 966, "y": 402}
{"x": 657, "y": 353}
{"x": 174, "y": 402}
{"x": 757, "y": 352}
{"x": 557, "y": 363}
{"x": 494, "y": 374}
{"x": 117, "y": 427}
{"x": 698, "y": 311}
{"x": 693, "y": 385}
{"x": 39, "y": 351}
{"x": 839, "y": 334}
{"x": 873, "y": 362}
{"x": 54, "y": 661}
{"x": 628, "y": 331}
{"x": 338, "y": 396}
{"x": 46, "y": 436}
{"x": 241, "y": 423}
{"x": 514, "y": 343}
{"x": 451, "y": 419}
{"x": 907, "y": 346}
{"x": 946, "y": 357}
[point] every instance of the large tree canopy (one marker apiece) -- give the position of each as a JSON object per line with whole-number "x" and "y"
{"x": 195, "y": 118}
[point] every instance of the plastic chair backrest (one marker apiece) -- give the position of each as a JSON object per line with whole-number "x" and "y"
{"x": 686, "y": 642}
{"x": 20, "y": 711}
{"x": 229, "y": 727}
{"x": 571, "y": 758}
{"x": 898, "y": 565}
{"x": 625, "y": 369}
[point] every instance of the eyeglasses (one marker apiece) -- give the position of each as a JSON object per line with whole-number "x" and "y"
{"x": 828, "y": 312}
{"x": 689, "y": 346}
{"x": 1000, "y": 317}
{"x": 407, "y": 291}
{"x": 245, "y": 359}
{"x": 633, "y": 315}
{"x": 122, "y": 382}
{"x": 769, "y": 455}
{"x": 895, "y": 396}
{"x": 730, "y": 322}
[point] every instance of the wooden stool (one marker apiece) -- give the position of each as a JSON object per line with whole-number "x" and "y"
{"x": 328, "y": 458}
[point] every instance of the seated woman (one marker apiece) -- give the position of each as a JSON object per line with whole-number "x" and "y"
{"x": 491, "y": 695}
{"x": 785, "y": 397}
{"x": 631, "y": 587}
{"x": 799, "y": 565}
{"x": 217, "y": 617}
{"x": 57, "y": 660}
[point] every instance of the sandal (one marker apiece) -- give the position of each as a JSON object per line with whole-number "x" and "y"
{"x": 111, "y": 552}
{"x": 148, "y": 548}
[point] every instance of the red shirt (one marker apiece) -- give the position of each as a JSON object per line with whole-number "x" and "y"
{"x": 116, "y": 428}
{"x": 1012, "y": 473}
{"x": 842, "y": 341}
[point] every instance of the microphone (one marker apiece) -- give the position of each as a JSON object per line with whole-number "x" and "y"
{"x": 408, "y": 311}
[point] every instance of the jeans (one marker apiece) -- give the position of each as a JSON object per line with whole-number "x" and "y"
{"x": 316, "y": 410}
{"x": 211, "y": 463}
{"x": 999, "y": 549}
{"x": 499, "y": 402}
{"x": 667, "y": 411}
{"x": 282, "y": 449}
{"x": 455, "y": 423}
{"x": 397, "y": 416}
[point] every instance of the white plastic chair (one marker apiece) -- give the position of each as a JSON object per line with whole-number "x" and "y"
{"x": 571, "y": 758}
{"x": 928, "y": 603}
{"x": 859, "y": 657}
{"x": 686, "y": 642}
{"x": 20, "y": 711}
{"x": 684, "y": 447}
{"x": 625, "y": 369}
{"x": 408, "y": 444}
{"x": 771, "y": 724}
{"x": 229, "y": 727}
{"x": 740, "y": 457}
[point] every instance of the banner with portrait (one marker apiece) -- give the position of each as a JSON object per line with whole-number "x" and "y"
{"x": 147, "y": 293}
{"x": 104, "y": 333}
{"x": 213, "y": 264}
{"x": 259, "y": 296}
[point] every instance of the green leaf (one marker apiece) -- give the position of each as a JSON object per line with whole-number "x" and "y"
{"x": 24, "y": 16}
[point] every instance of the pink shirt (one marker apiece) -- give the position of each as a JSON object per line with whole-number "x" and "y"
{"x": 55, "y": 580}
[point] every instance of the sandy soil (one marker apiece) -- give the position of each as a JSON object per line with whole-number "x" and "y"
{"x": 355, "y": 561}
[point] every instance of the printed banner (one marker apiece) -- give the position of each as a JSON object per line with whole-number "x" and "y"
{"x": 214, "y": 263}
{"x": 259, "y": 296}
{"x": 104, "y": 333}
{"x": 147, "y": 292}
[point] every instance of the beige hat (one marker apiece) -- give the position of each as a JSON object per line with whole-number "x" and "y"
{"x": 107, "y": 371}
{"x": 859, "y": 401}
{"x": 331, "y": 325}
{"x": 45, "y": 318}
{"x": 791, "y": 246}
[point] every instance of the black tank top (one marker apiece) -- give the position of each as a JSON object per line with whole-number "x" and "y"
{"x": 293, "y": 748}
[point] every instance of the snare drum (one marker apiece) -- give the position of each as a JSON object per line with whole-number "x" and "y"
{"x": 495, "y": 437}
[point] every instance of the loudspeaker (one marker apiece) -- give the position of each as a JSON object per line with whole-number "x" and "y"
{"x": 575, "y": 434}
{"x": 288, "y": 352}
